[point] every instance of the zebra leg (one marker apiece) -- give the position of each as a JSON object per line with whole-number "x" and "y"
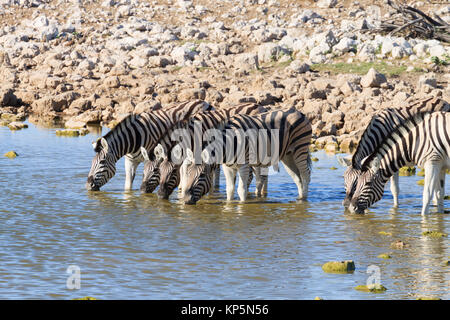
{"x": 216, "y": 179}
{"x": 440, "y": 192}
{"x": 258, "y": 181}
{"x": 432, "y": 174}
{"x": 294, "y": 172}
{"x": 230, "y": 178}
{"x": 261, "y": 181}
{"x": 181, "y": 186}
{"x": 264, "y": 180}
{"x": 243, "y": 182}
{"x": 395, "y": 188}
{"x": 130, "y": 172}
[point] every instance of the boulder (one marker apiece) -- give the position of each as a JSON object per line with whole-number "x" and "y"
{"x": 373, "y": 79}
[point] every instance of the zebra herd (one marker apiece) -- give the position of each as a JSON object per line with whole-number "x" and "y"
{"x": 176, "y": 155}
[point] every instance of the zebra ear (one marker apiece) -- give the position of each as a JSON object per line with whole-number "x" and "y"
{"x": 145, "y": 154}
{"x": 375, "y": 164}
{"x": 189, "y": 155}
{"x": 159, "y": 152}
{"x": 345, "y": 162}
{"x": 104, "y": 144}
{"x": 176, "y": 153}
{"x": 205, "y": 156}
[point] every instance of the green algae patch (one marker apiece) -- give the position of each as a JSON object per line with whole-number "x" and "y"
{"x": 333, "y": 168}
{"x": 346, "y": 266}
{"x": 447, "y": 198}
{"x": 384, "y": 256}
{"x": 434, "y": 234}
{"x": 447, "y": 263}
{"x": 428, "y": 298}
{"x": 384, "y": 233}
{"x": 86, "y": 298}
{"x": 315, "y": 159}
{"x": 421, "y": 173}
{"x": 421, "y": 182}
{"x": 318, "y": 298}
{"x": 407, "y": 171}
{"x": 373, "y": 288}
{"x": 71, "y": 132}
{"x": 11, "y": 154}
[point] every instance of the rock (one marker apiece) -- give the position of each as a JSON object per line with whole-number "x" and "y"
{"x": 147, "y": 106}
{"x": 246, "y": 61}
{"x": 17, "y": 125}
{"x": 373, "y": 288}
{"x": 427, "y": 82}
{"x": 112, "y": 82}
{"x": 298, "y": 67}
{"x": 51, "y": 104}
{"x": 346, "y": 266}
{"x": 373, "y": 79}
{"x": 326, "y": 3}
{"x": 268, "y": 52}
{"x": 407, "y": 171}
{"x": 434, "y": 234}
{"x": 11, "y": 154}
{"x": 8, "y": 98}
{"x": 71, "y": 132}
{"x": 399, "y": 244}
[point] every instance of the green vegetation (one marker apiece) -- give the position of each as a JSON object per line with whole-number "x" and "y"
{"x": 421, "y": 182}
{"x": 434, "y": 234}
{"x": 346, "y": 266}
{"x": 407, "y": 171}
{"x": 441, "y": 62}
{"x": 374, "y": 288}
{"x": 384, "y": 233}
{"x": 384, "y": 256}
{"x": 11, "y": 154}
{"x": 359, "y": 68}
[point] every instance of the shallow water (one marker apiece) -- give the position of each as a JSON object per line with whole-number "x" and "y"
{"x": 134, "y": 246}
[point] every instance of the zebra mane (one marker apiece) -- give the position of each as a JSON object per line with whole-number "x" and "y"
{"x": 388, "y": 119}
{"x": 401, "y": 130}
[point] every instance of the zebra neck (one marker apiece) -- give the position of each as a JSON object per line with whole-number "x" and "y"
{"x": 398, "y": 149}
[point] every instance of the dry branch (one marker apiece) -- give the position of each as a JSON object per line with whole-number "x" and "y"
{"x": 415, "y": 23}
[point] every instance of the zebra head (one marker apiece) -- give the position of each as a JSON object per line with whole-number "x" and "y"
{"x": 151, "y": 172}
{"x": 369, "y": 187}
{"x": 198, "y": 178}
{"x": 169, "y": 173}
{"x": 103, "y": 166}
{"x": 351, "y": 175}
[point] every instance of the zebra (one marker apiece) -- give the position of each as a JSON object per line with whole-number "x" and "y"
{"x": 129, "y": 135}
{"x": 169, "y": 173}
{"x": 150, "y": 179}
{"x": 424, "y": 140}
{"x": 379, "y": 127}
{"x": 292, "y": 142}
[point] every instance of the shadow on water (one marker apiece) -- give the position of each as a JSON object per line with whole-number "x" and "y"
{"x": 133, "y": 245}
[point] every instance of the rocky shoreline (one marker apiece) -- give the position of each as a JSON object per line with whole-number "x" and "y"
{"x": 89, "y": 62}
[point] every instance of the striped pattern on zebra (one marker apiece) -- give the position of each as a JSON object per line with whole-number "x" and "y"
{"x": 170, "y": 173}
{"x": 293, "y": 143}
{"x": 381, "y": 125}
{"x": 423, "y": 140}
{"x": 132, "y": 133}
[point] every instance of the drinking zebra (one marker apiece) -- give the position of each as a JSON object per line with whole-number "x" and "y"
{"x": 287, "y": 135}
{"x": 170, "y": 173}
{"x": 132, "y": 133}
{"x": 424, "y": 140}
{"x": 381, "y": 125}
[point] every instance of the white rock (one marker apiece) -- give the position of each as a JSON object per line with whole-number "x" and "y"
{"x": 326, "y": 3}
{"x": 438, "y": 51}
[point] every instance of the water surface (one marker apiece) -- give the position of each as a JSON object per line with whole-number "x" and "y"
{"x": 134, "y": 246}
